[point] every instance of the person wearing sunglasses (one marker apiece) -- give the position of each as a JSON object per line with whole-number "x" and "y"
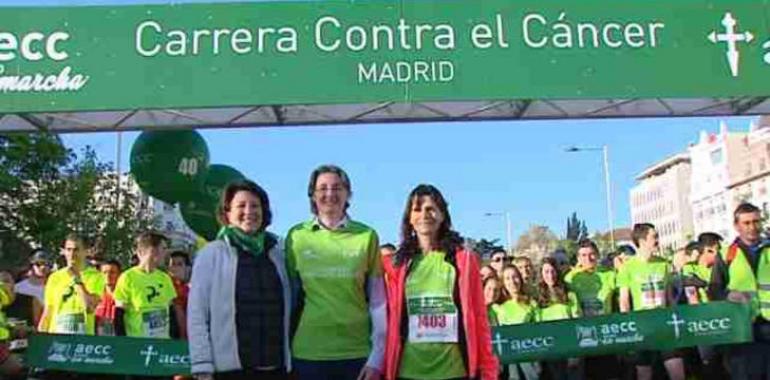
{"x": 34, "y": 284}
{"x": 499, "y": 258}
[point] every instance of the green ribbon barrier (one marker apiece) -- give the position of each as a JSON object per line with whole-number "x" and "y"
{"x": 683, "y": 326}
{"x": 109, "y": 355}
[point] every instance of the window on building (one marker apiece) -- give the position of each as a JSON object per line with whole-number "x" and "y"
{"x": 716, "y": 156}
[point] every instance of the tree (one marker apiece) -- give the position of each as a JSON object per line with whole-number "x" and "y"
{"x": 485, "y": 247}
{"x": 47, "y": 191}
{"x": 576, "y": 231}
{"x": 536, "y": 242}
{"x": 603, "y": 242}
{"x": 576, "y": 228}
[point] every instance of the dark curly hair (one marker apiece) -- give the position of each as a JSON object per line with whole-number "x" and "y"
{"x": 449, "y": 240}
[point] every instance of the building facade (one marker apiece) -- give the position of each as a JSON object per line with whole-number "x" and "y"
{"x": 751, "y": 181}
{"x": 661, "y": 197}
{"x": 716, "y": 158}
{"x": 168, "y": 218}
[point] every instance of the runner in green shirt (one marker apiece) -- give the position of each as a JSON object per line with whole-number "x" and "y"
{"x": 493, "y": 296}
{"x": 144, "y": 293}
{"x": 431, "y": 351}
{"x": 645, "y": 282}
{"x": 527, "y": 271}
{"x": 710, "y": 244}
{"x": 595, "y": 288}
{"x": 72, "y": 293}
{"x": 556, "y": 302}
{"x": 437, "y": 299}
{"x": 593, "y": 285}
{"x": 518, "y": 306}
{"x": 693, "y": 276}
{"x": 335, "y": 266}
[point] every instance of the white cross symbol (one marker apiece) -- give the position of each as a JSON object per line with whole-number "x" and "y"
{"x": 731, "y": 38}
{"x": 498, "y": 342}
{"x": 675, "y": 321}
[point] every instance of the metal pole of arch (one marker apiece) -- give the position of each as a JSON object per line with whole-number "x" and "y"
{"x": 608, "y": 188}
{"x": 605, "y": 155}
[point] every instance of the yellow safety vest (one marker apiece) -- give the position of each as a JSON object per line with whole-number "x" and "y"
{"x": 742, "y": 278}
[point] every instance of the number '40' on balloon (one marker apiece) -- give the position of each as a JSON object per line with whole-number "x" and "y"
{"x": 170, "y": 165}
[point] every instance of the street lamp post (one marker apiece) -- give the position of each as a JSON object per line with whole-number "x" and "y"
{"x": 508, "y": 234}
{"x": 605, "y": 155}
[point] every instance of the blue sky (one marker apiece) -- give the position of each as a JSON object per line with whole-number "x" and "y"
{"x": 519, "y": 167}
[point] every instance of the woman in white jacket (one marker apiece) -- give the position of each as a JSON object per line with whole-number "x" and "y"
{"x": 239, "y": 304}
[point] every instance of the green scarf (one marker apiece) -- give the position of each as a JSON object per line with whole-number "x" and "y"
{"x": 252, "y": 243}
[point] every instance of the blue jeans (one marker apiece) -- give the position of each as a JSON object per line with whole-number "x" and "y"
{"x": 328, "y": 369}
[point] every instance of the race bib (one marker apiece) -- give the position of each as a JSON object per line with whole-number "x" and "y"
{"x": 155, "y": 324}
{"x": 591, "y": 307}
{"x": 432, "y": 320}
{"x": 70, "y": 324}
{"x": 653, "y": 294}
{"x": 105, "y": 327}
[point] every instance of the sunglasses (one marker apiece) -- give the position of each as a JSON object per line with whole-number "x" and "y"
{"x": 40, "y": 264}
{"x": 499, "y": 259}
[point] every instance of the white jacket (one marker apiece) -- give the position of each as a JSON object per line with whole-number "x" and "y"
{"x": 211, "y": 307}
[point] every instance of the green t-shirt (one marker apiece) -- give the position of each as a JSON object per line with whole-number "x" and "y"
{"x": 67, "y": 311}
{"x": 512, "y": 312}
{"x": 703, "y": 273}
{"x": 5, "y": 300}
{"x": 491, "y": 315}
{"x": 146, "y": 298}
{"x": 594, "y": 289}
{"x": 431, "y": 349}
{"x": 648, "y": 281}
{"x": 333, "y": 266}
{"x": 558, "y": 310}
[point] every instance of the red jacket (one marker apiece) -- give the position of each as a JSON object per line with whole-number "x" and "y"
{"x": 482, "y": 363}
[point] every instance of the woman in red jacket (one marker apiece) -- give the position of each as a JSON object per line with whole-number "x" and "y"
{"x": 437, "y": 321}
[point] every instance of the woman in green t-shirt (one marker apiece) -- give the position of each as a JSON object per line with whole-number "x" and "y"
{"x": 437, "y": 322}
{"x": 517, "y": 308}
{"x": 335, "y": 264}
{"x": 555, "y": 302}
{"x": 493, "y": 296}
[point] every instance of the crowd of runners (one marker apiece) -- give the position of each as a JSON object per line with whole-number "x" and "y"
{"x": 329, "y": 302}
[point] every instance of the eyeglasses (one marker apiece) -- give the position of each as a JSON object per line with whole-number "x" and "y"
{"x": 499, "y": 259}
{"x": 40, "y": 264}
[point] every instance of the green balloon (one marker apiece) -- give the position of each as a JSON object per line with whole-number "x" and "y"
{"x": 169, "y": 165}
{"x": 200, "y": 211}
